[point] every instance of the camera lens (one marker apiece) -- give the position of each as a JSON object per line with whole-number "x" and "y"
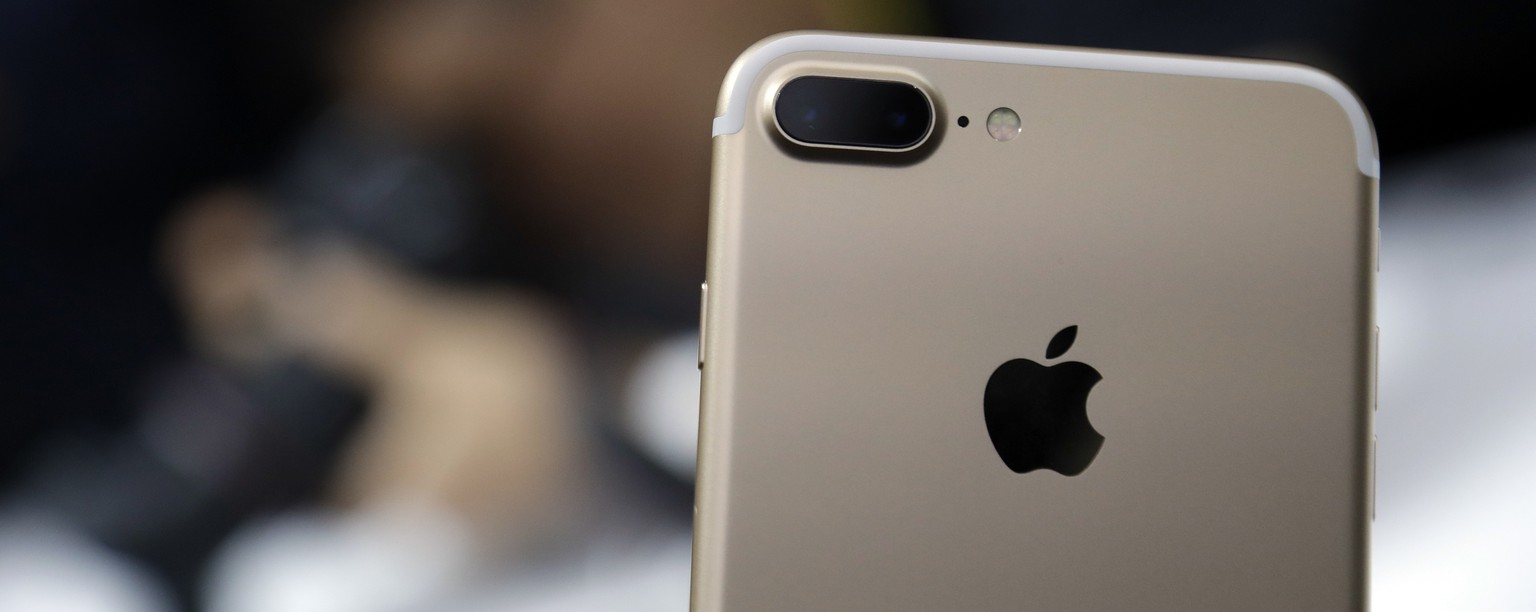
{"x": 853, "y": 112}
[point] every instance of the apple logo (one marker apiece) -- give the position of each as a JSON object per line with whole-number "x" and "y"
{"x": 1037, "y": 416}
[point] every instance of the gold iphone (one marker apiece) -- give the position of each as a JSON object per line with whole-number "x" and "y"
{"x": 992, "y": 327}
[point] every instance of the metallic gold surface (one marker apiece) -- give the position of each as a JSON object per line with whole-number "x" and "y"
{"x": 1212, "y": 238}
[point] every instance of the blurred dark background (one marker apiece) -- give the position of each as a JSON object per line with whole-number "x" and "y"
{"x": 288, "y": 287}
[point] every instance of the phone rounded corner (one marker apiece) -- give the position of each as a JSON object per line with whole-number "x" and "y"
{"x": 1367, "y": 151}
{"x": 731, "y": 107}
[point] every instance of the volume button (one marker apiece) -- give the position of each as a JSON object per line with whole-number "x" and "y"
{"x": 703, "y": 320}
{"x": 1373, "y": 477}
{"x": 1376, "y": 368}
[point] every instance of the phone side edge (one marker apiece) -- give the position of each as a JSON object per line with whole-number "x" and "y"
{"x": 711, "y": 483}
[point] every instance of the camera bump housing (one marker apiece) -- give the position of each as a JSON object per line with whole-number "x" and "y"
{"x": 854, "y": 113}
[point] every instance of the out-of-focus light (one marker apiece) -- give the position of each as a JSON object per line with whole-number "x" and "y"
{"x": 45, "y": 567}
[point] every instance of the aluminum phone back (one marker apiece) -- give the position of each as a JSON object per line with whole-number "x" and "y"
{"x": 1209, "y": 227}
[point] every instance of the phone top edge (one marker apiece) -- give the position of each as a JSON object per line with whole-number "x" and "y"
{"x": 735, "y": 90}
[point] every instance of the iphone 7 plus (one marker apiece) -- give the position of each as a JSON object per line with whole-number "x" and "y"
{"x": 1002, "y": 328}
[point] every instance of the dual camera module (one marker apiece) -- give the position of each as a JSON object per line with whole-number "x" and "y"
{"x": 868, "y": 114}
